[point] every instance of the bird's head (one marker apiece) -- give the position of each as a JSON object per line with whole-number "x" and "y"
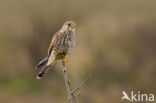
{"x": 69, "y": 26}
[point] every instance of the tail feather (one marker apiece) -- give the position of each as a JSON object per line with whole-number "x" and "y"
{"x": 48, "y": 63}
{"x": 41, "y": 63}
{"x": 43, "y": 71}
{"x": 40, "y": 75}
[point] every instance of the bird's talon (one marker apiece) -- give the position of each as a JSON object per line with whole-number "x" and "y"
{"x": 62, "y": 56}
{"x": 64, "y": 61}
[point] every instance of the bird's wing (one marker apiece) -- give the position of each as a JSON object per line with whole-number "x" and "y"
{"x": 53, "y": 41}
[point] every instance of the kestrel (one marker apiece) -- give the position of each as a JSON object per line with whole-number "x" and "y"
{"x": 61, "y": 45}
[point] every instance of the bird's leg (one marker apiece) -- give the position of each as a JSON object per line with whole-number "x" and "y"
{"x": 64, "y": 59}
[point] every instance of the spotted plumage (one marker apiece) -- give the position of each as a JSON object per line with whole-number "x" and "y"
{"x": 61, "y": 45}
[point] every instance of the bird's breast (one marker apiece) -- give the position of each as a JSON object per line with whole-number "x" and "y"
{"x": 65, "y": 42}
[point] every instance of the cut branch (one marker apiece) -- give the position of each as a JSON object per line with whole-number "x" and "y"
{"x": 69, "y": 89}
{"x": 71, "y": 93}
{"x": 85, "y": 81}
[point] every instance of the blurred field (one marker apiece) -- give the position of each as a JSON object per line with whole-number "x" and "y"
{"x": 114, "y": 39}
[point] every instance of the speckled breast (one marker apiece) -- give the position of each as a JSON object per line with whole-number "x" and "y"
{"x": 65, "y": 43}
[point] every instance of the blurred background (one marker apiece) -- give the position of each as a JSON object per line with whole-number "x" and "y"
{"x": 114, "y": 39}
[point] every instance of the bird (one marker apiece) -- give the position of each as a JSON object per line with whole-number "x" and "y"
{"x": 62, "y": 44}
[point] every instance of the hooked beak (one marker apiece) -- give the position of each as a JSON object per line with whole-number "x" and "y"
{"x": 73, "y": 27}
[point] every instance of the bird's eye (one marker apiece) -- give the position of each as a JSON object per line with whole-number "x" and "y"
{"x": 69, "y": 25}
